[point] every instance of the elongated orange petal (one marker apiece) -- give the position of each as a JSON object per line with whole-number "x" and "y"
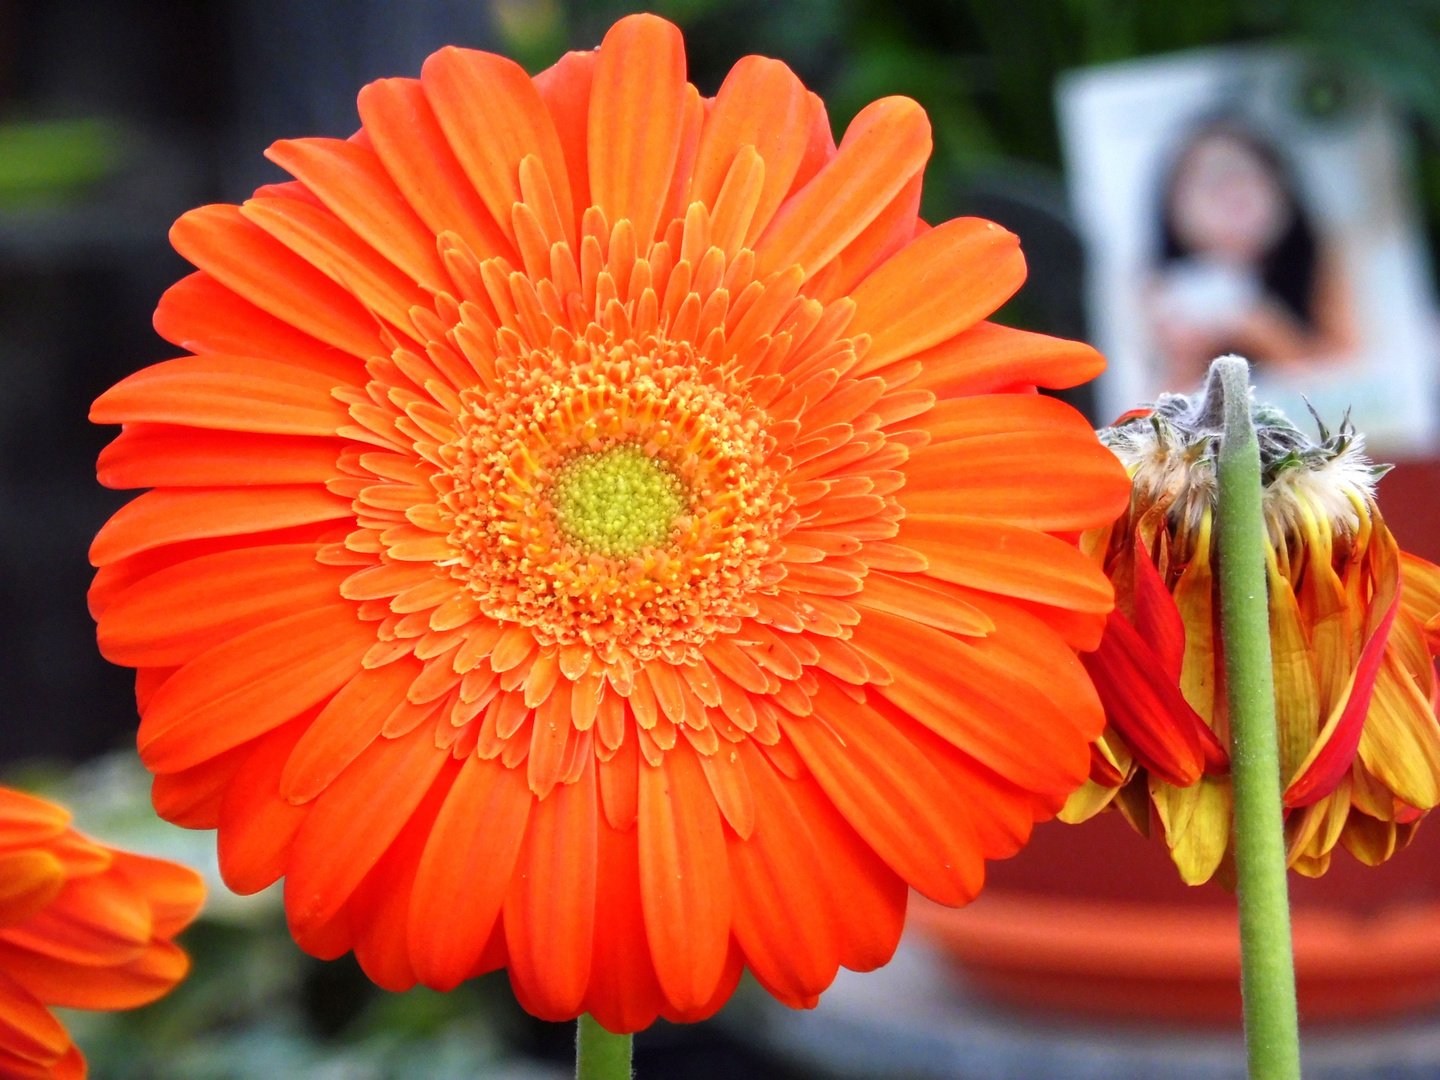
{"x": 684, "y": 878}
{"x": 988, "y": 358}
{"x": 550, "y": 908}
{"x": 257, "y": 824}
{"x": 944, "y": 282}
{"x": 409, "y": 141}
{"x": 761, "y": 104}
{"x": 565, "y": 89}
{"x": 200, "y": 314}
{"x": 352, "y": 823}
{"x": 163, "y": 455}
{"x": 242, "y": 256}
{"x": 493, "y": 118}
{"x": 465, "y": 871}
{"x": 171, "y": 515}
{"x": 624, "y": 994}
{"x": 250, "y": 684}
{"x": 887, "y": 144}
{"x": 637, "y": 106}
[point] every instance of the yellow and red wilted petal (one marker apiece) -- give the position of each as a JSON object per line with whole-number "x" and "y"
{"x": 1157, "y": 618}
{"x": 1420, "y": 595}
{"x": 1144, "y": 705}
{"x": 1400, "y": 741}
{"x": 1329, "y": 760}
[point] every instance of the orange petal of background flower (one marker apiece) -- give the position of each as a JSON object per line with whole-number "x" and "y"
{"x": 942, "y": 283}
{"x": 25, "y": 819}
{"x": 637, "y": 105}
{"x": 138, "y": 982}
{"x": 29, "y": 879}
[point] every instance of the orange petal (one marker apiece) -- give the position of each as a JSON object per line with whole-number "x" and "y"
{"x": 408, "y": 139}
{"x": 29, "y": 1032}
{"x": 624, "y": 994}
{"x": 257, "y": 823}
{"x": 684, "y": 878}
{"x": 96, "y": 919}
{"x": 169, "y": 515}
{"x": 886, "y": 144}
{"x": 493, "y": 118}
{"x": 161, "y": 455}
{"x": 201, "y": 315}
{"x": 328, "y": 244}
{"x": 29, "y": 879}
{"x": 1041, "y": 481}
{"x": 26, "y": 820}
{"x": 1010, "y": 560}
{"x": 761, "y": 104}
{"x": 350, "y": 180}
{"x": 349, "y": 722}
{"x": 944, "y": 282}
{"x": 971, "y": 701}
{"x": 239, "y": 254}
{"x": 171, "y": 617}
{"x": 988, "y": 358}
{"x": 151, "y": 975}
{"x": 251, "y": 684}
{"x": 352, "y": 823}
{"x": 175, "y": 893}
{"x": 565, "y": 89}
{"x": 774, "y": 878}
{"x": 466, "y": 870}
{"x": 637, "y": 111}
{"x": 550, "y": 907}
{"x": 891, "y": 796}
{"x": 1000, "y": 414}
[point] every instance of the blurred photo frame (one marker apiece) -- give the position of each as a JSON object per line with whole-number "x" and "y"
{"x": 1253, "y": 201}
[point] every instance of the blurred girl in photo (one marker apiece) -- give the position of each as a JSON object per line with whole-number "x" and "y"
{"x": 1241, "y": 270}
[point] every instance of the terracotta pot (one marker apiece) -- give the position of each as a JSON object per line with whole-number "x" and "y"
{"x": 1091, "y": 920}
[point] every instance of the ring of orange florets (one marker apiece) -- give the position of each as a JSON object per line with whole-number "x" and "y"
{"x": 521, "y": 562}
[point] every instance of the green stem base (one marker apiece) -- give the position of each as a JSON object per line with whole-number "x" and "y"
{"x": 600, "y": 1054}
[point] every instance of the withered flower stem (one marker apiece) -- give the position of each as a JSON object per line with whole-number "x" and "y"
{"x": 1267, "y": 962}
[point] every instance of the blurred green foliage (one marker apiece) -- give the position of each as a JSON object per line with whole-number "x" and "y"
{"x": 985, "y": 69}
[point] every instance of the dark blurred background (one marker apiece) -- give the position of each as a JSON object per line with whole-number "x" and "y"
{"x": 118, "y": 115}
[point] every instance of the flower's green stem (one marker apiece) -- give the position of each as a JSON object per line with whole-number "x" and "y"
{"x": 1267, "y": 980}
{"x": 599, "y": 1055}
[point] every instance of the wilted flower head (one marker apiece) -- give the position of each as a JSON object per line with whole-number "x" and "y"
{"x": 82, "y": 926}
{"x": 1353, "y": 625}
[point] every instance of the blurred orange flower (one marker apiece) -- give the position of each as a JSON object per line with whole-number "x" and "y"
{"x": 1354, "y": 625}
{"x": 82, "y": 926}
{"x": 525, "y": 578}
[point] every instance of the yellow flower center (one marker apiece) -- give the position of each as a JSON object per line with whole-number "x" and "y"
{"x": 618, "y": 501}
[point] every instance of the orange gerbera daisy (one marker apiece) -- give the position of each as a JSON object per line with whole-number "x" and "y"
{"x": 526, "y": 577}
{"x": 1354, "y": 627}
{"x": 82, "y": 926}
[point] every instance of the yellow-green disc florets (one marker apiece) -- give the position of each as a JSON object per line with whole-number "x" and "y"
{"x": 617, "y": 501}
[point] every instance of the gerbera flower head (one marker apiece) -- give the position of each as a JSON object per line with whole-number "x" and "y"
{"x": 561, "y": 556}
{"x": 1353, "y": 626}
{"x": 82, "y": 926}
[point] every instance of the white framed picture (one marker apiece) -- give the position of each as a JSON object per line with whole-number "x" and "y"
{"x": 1245, "y": 200}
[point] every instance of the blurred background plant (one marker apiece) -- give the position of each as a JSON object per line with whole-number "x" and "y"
{"x": 118, "y": 115}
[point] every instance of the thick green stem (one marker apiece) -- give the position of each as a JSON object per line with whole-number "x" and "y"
{"x": 600, "y": 1055}
{"x": 1272, "y": 1038}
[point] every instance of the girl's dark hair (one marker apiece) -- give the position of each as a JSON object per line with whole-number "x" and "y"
{"x": 1288, "y": 268}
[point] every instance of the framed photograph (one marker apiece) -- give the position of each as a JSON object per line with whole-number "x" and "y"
{"x": 1252, "y": 201}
